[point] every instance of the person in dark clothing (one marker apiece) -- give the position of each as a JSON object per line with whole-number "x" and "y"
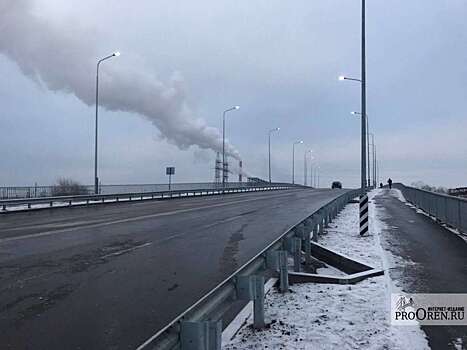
{"x": 380, "y": 185}
{"x": 390, "y": 183}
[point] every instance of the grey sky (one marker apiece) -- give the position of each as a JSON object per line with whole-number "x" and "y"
{"x": 278, "y": 60}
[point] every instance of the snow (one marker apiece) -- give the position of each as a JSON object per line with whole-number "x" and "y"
{"x": 324, "y": 316}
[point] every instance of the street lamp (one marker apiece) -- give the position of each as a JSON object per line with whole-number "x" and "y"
{"x": 96, "y": 178}
{"x": 293, "y": 159}
{"x": 363, "y": 113}
{"x": 312, "y": 182}
{"x": 374, "y": 157}
{"x": 224, "y": 170}
{"x": 368, "y": 144}
{"x": 343, "y": 77}
{"x": 317, "y": 176}
{"x": 269, "y": 148}
{"x": 305, "y": 166}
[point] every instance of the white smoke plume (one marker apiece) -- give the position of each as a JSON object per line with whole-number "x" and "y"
{"x": 65, "y": 58}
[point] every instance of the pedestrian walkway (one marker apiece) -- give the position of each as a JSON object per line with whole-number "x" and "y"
{"x": 432, "y": 259}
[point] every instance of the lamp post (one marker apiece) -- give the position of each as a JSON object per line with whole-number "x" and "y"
{"x": 269, "y": 148}
{"x": 96, "y": 178}
{"x": 317, "y": 176}
{"x": 362, "y": 82}
{"x": 224, "y": 170}
{"x": 311, "y": 170}
{"x": 363, "y": 127}
{"x": 368, "y": 144}
{"x": 373, "y": 158}
{"x": 305, "y": 166}
{"x": 293, "y": 159}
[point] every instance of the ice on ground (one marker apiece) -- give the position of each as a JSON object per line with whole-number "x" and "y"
{"x": 325, "y": 316}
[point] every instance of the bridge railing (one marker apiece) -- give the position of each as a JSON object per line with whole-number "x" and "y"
{"x": 60, "y": 201}
{"x": 17, "y": 192}
{"x": 200, "y": 325}
{"x": 449, "y": 210}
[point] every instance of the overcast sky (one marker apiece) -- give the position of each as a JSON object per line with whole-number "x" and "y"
{"x": 183, "y": 62}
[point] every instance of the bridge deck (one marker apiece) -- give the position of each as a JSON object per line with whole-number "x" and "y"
{"x": 109, "y": 276}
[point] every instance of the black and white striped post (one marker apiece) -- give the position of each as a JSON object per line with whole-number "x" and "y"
{"x": 363, "y": 214}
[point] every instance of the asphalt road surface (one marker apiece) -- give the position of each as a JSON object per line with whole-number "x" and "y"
{"x": 437, "y": 261}
{"x": 110, "y": 276}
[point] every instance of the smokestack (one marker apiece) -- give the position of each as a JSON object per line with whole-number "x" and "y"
{"x": 240, "y": 172}
{"x": 64, "y": 58}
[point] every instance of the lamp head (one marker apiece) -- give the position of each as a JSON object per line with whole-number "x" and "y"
{"x": 116, "y": 54}
{"x": 341, "y": 77}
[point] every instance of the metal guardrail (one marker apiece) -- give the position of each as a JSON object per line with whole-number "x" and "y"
{"x": 449, "y": 210}
{"x": 459, "y": 192}
{"x": 12, "y": 192}
{"x": 200, "y": 326}
{"x": 61, "y": 201}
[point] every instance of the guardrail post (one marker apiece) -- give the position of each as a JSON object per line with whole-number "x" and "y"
{"x": 330, "y": 214}
{"x": 283, "y": 272}
{"x": 258, "y": 303}
{"x": 308, "y": 227}
{"x": 326, "y": 217}
{"x": 321, "y": 226}
{"x": 297, "y": 253}
{"x": 315, "y": 229}
{"x": 252, "y": 288}
{"x": 202, "y": 335}
{"x": 272, "y": 260}
{"x": 459, "y": 222}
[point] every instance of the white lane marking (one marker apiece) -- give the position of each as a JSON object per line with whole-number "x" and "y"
{"x": 120, "y": 252}
{"x": 149, "y": 216}
{"x": 52, "y": 225}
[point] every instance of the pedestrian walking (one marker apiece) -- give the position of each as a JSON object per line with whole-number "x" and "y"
{"x": 390, "y": 183}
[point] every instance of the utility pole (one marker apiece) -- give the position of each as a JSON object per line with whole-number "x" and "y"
{"x": 96, "y": 177}
{"x": 269, "y": 149}
{"x": 363, "y": 102}
{"x": 305, "y": 169}
{"x": 293, "y": 160}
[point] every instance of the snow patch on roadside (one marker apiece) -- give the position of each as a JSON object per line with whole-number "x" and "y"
{"x": 323, "y": 316}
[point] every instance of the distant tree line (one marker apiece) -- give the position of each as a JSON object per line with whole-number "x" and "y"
{"x": 423, "y": 186}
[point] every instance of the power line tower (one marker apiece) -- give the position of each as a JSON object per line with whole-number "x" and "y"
{"x": 225, "y": 172}
{"x": 218, "y": 169}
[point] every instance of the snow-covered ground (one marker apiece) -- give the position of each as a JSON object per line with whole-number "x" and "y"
{"x": 325, "y": 316}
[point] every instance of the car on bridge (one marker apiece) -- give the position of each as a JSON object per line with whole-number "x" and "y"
{"x": 336, "y": 184}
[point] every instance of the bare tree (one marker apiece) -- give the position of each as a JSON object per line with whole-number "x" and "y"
{"x": 68, "y": 187}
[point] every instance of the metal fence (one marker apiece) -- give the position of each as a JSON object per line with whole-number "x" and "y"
{"x": 446, "y": 209}
{"x": 15, "y": 204}
{"x": 13, "y": 192}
